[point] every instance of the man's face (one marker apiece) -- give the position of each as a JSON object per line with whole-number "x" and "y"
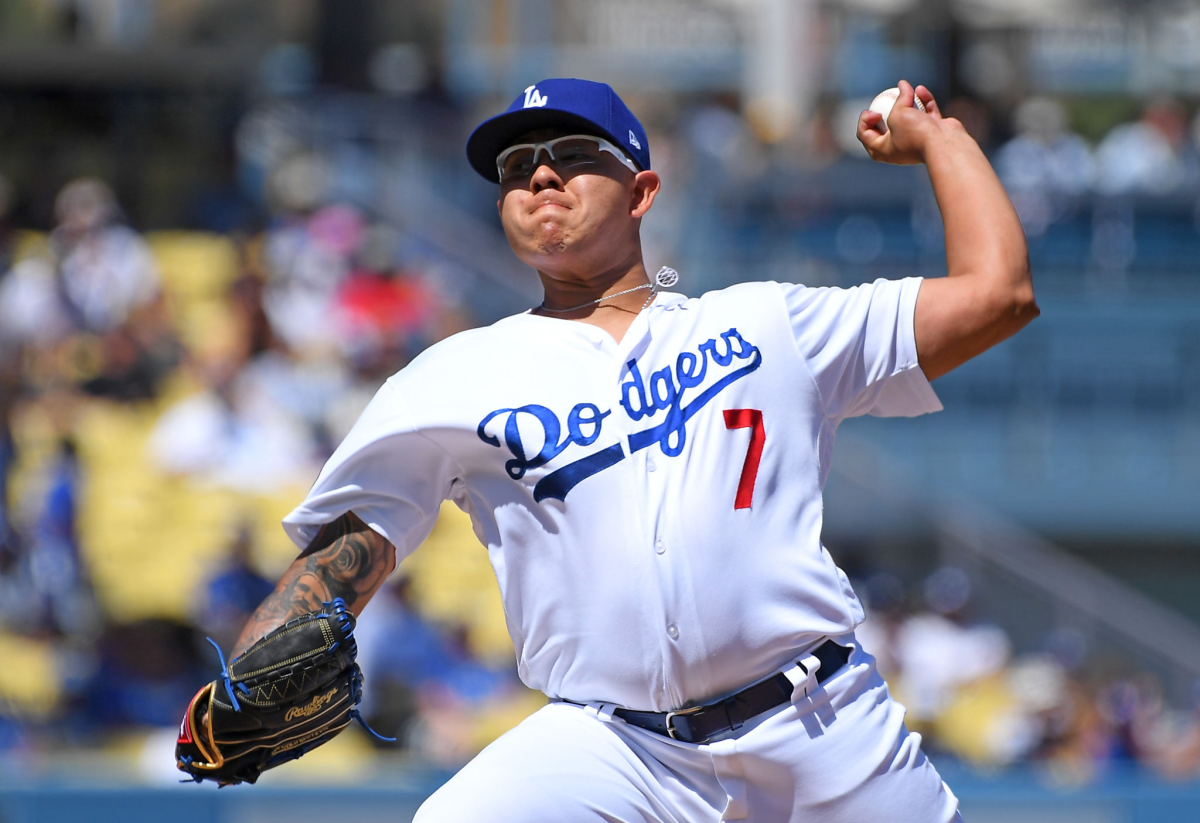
{"x": 574, "y": 219}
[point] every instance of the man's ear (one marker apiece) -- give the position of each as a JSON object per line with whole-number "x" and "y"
{"x": 646, "y": 185}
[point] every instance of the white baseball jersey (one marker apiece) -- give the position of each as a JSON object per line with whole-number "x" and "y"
{"x": 652, "y": 508}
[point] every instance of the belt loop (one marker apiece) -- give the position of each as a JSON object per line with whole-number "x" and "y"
{"x": 602, "y": 711}
{"x": 804, "y": 673}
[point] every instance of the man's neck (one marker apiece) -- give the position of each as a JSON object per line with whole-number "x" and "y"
{"x": 566, "y": 289}
{"x": 598, "y": 300}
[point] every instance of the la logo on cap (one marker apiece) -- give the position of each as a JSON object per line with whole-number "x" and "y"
{"x": 534, "y": 98}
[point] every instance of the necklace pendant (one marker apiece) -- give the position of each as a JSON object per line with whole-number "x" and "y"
{"x": 666, "y": 277}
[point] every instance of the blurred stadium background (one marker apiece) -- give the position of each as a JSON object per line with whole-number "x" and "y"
{"x": 223, "y": 224}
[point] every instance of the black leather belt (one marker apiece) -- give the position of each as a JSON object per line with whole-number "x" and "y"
{"x": 700, "y": 724}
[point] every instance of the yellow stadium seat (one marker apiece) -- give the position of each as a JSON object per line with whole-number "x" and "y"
{"x": 29, "y": 680}
{"x": 194, "y": 265}
{"x": 453, "y": 582}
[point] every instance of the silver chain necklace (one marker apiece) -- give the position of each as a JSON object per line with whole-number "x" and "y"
{"x": 544, "y": 307}
{"x": 666, "y": 277}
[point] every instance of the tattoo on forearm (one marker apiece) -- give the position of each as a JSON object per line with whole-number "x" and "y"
{"x": 346, "y": 559}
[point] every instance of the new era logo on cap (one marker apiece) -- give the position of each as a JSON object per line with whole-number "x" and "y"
{"x": 576, "y": 106}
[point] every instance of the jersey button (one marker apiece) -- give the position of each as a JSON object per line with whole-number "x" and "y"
{"x": 660, "y": 546}
{"x": 672, "y": 631}
{"x": 650, "y": 464}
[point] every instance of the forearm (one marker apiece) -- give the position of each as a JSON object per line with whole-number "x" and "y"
{"x": 988, "y": 296}
{"x": 347, "y": 559}
{"x": 983, "y": 234}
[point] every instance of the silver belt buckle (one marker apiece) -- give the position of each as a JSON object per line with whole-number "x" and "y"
{"x": 672, "y": 715}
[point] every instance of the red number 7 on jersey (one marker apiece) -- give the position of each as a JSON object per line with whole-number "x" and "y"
{"x": 747, "y": 419}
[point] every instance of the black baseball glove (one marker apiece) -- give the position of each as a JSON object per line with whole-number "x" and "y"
{"x": 290, "y": 692}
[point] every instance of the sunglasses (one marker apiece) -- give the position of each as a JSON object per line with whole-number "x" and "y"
{"x": 569, "y": 152}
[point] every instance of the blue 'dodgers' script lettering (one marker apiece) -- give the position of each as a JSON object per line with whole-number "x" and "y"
{"x": 667, "y": 389}
{"x": 582, "y": 415}
{"x": 583, "y": 427}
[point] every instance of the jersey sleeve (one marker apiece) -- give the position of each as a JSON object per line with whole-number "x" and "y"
{"x": 860, "y": 347}
{"x": 387, "y": 472}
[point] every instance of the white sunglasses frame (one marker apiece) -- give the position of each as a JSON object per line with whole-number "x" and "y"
{"x": 549, "y": 145}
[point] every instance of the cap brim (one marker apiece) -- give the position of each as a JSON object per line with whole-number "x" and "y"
{"x": 495, "y": 135}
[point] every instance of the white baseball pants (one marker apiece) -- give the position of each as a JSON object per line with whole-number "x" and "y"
{"x": 840, "y": 754}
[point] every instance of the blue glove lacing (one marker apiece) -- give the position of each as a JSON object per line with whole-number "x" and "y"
{"x": 346, "y": 623}
{"x": 225, "y": 676}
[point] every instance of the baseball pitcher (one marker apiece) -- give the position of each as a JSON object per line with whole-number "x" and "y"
{"x": 645, "y": 471}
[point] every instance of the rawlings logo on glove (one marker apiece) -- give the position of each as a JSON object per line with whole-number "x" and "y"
{"x": 290, "y": 692}
{"x": 311, "y": 709}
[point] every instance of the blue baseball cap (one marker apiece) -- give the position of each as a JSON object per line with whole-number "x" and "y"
{"x": 581, "y": 106}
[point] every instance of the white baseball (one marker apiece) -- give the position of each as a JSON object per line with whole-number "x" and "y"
{"x": 884, "y": 101}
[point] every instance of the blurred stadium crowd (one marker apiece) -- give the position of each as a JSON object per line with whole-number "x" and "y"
{"x": 166, "y": 396}
{"x": 1060, "y": 707}
{"x": 116, "y": 375}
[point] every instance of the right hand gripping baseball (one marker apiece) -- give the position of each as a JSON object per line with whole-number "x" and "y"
{"x": 902, "y": 141}
{"x": 293, "y": 690}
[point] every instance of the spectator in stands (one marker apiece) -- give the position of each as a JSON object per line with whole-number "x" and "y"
{"x": 402, "y": 651}
{"x": 380, "y": 310}
{"x": 1131, "y": 708}
{"x": 246, "y": 301}
{"x": 93, "y": 294}
{"x": 146, "y": 670}
{"x": 1179, "y": 757}
{"x": 308, "y": 252}
{"x": 939, "y": 650}
{"x": 1045, "y": 154}
{"x": 1076, "y": 740}
{"x": 1039, "y": 711}
{"x": 303, "y": 385}
{"x": 233, "y": 591}
{"x": 883, "y": 599}
{"x": 1044, "y": 165}
{"x": 233, "y": 433}
{"x": 137, "y": 356}
{"x": 17, "y": 604}
{"x": 57, "y": 573}
{"x": 30, "y": 308}
{"x": 1149, "y": 156}
{"x": 104, "y": 268}
{"x": 12, "y": 735}
{"x": 374, "y": 315}
{"x": 416, "y": 666}
{"x": 723, "y": 143}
